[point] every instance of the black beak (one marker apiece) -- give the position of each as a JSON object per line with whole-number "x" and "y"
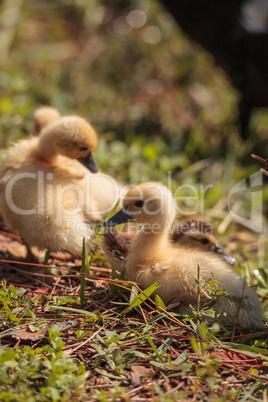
{"x": 89, "y": 163}
{"x": 121, "y": 216}
{"x": 225, "y": 256}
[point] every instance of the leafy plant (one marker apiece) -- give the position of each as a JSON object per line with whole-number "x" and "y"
{"x": 12, "y": 300}
{"x": 43, "y": 374}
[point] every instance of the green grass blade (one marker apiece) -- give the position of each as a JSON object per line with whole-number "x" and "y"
{"x": 250, "y": 350}
{"x": 159, "y": 303}
{"x": 111, "y": 213}
{"x": 141, "y": 297}
{"x": 84, "y": 269}
{"x": 154, "y": 349}
{"x": 73, "y": 310}
{"x": 132, "y": 294}
{"x": 156, "y": 318}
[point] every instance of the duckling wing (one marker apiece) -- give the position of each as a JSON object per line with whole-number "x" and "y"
{"x": 119, "y": 243}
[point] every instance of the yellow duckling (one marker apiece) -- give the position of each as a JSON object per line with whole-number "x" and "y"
{"x": 104, "y": 189}
{"x": 45, "y": 186}
{"x": 42, "y": 117}
{"x": 195, "y": 233}
{"x": 153, "y": 257}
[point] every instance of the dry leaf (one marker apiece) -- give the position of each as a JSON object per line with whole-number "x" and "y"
{"x": 27, "y": 334}
{"x": 137, "y": 373}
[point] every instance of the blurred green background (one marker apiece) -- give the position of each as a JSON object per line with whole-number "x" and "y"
{"x": 162, "y": 108}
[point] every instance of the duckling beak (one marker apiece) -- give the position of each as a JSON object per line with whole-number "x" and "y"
{"x": 89, "y": 163}
{"x": 121, "y": 216}
{"x": 225, "y": 256}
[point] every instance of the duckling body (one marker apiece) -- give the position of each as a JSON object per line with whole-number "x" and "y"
{"x": 153, "y": 257}
{"x": 41, "y": 218}
{"x": 193, "y": 234}
{"x": 45, "y": 189}
{"x": 176, "y": 274}
{"x": 104, "y": 190}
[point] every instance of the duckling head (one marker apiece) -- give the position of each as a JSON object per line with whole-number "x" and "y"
{"x": 42, "y": 117}
{"x": 196, "y": 233}
{"x": 71, "y": 136}
{"x": 200, "y": 234}
{"x": 148, "y": 203}
{"x": 203, "y": 241}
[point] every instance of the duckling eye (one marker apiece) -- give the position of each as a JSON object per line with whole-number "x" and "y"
{"x": 204, "y": 241}
{"x": 82, "y": 149}
{"x": 139, "y": 203}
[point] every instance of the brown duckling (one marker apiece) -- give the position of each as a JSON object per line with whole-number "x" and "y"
{"x": 197, "y": 233}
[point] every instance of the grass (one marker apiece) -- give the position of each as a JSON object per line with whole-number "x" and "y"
{"x": 118, "y": 346}
{"x": 164, "y": 112}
